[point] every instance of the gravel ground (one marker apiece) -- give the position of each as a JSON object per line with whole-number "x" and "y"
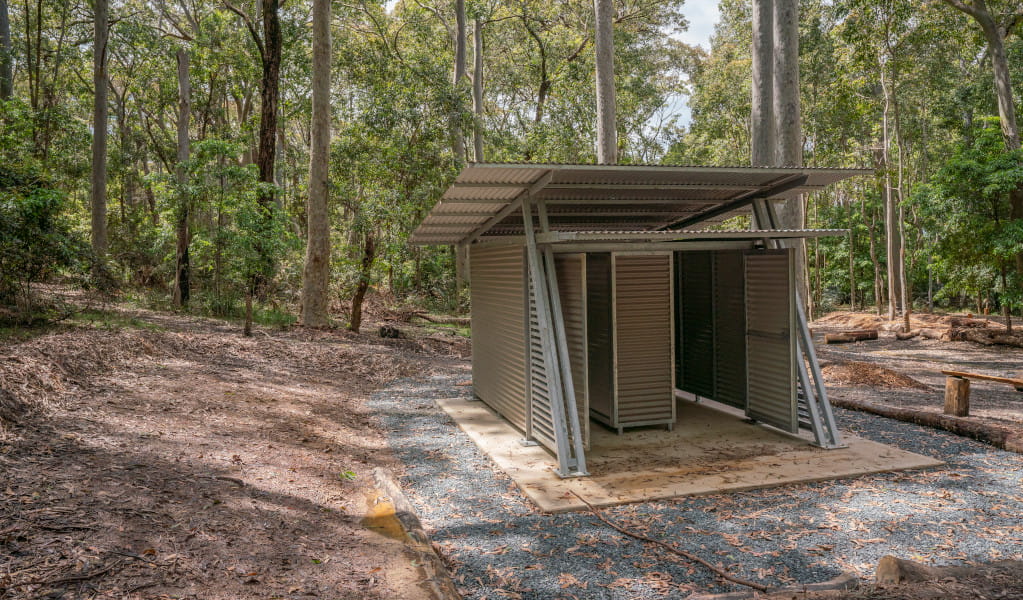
{"x": 500, "y": 546}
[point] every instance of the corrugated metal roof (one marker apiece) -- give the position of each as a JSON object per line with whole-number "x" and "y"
{"x": 484, "y": 198}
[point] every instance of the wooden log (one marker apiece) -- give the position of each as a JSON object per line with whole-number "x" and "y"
{"x": 957, "y": 396}
{"x": 437, "y": 577}
{"x": 895, "y": 571}
{"x": 907, "y": 335}
{"x": 982, "y": 432}
{"x": 845, "y": 337}
{"x": 932, "y": 334}
{"x": 967, "y": 322}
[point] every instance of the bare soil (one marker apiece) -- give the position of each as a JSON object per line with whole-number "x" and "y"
{"x": 183, "y": 460}
{"x": 907, "y": 373}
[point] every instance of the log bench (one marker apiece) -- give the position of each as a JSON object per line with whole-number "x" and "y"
{"x": 957, "y": 390}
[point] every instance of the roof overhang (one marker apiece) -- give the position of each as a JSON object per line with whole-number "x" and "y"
{"x": 486, "y": 198}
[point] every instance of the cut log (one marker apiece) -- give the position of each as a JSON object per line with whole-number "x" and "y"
{"x": 957, "y": 396}
{"x": 845, "y": 337}
{"x": 983, "y": 432}
{"x": 932, "y": 333}
{"x": 907, "y": 335}
{"x": 967, "y": 322}
{"x": 895, "y": 571}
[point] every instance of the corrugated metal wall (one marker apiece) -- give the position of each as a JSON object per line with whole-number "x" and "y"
{"x": 729, "y": 329}
{"x": 769, "y": 337}
{"x": 599, "y": 338}
{"x": 696, "y": 286}
{"x": 643, "y": 339}
{"x": 498, "y": 330}
{"x": 541, "y": 419}
{"x": 571, "y": 270}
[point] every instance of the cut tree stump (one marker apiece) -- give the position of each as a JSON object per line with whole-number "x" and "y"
{"x": 1015, "y": 383}
{"x": 845, "y": 337}
{"x": 957, "y": 396}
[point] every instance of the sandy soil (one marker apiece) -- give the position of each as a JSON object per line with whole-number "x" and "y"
{"x": 189, "y": 462}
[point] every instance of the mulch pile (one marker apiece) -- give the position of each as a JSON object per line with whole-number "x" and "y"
{"x": 862, "y": 373}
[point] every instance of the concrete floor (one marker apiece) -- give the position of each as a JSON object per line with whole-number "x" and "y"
{"x": 710, "y": 451}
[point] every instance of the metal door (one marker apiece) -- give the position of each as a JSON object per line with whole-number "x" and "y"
{"x": 770, "y": 343}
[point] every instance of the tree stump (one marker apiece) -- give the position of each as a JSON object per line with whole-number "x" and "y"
{"x": 957, "y": 396}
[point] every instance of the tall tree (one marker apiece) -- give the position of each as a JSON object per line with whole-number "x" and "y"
{"x": 458, "y": 77}
{"x": 995, "y": 33}
{"x": 762, "y": 123}
{"x": 316, "y": 274}
{"x": 6, "y": 68}
{"x": 269, "y": 44}
{"x": 99, "y": 130}
{"x": 182, "y": 264}
{"x": 477, "y": 89}
{"x": 607, "y": 133}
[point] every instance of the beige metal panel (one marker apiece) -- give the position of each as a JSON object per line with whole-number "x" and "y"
{"x": 572, "y": 290}
{"x": 644, "y": 364}
{"x": 770, "y": 339}
{"x": 498, "y": 330}
{"x": 541, "y": 413}
{"x": 599, "y": 339}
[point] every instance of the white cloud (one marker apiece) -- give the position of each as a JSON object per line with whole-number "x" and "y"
{"x": 702, "y": 16}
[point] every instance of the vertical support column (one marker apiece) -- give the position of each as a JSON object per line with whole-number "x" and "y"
{"x": 569, "y": 463}
{"x": 561, "y": 339}
{"x": 822, "y": 418}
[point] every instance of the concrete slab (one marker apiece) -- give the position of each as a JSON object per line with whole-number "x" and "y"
{"x": 710, "y": 451}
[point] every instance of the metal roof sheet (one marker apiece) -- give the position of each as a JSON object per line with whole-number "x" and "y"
{"x": 484, "y": 199}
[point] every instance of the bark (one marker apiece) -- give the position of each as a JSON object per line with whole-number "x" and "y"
{"x": 99, "y": 137}
{"x": 762, "y": 134}
{"x": 892, "y": 237}
{"x": 182, "y": 263}
{"x": 365, "y": 270}
{"x": 607, "y": 134}
{"x": 267, "y": 148}
{"x": 457, "y": 136}
{"x": 316, "y": 274}
{"x": 477, "y": 90}
{"x": 6, "y": 71}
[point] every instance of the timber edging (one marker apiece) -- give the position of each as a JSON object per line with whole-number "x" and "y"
{"x": 438, "y": 580}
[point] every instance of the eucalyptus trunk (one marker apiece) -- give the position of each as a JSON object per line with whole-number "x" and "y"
{"x": 477, "y": 89}
{"x": 98, "y": 182}
{"x": 6, "y": 70}
{"x": 316, "y": 274}
{"x": 762, "y": 133}
{"x": 369, "y": 249}
{"x": 182, "y": 263}
{"x": 457, "y": 135}
{"x": 607, "y": 134}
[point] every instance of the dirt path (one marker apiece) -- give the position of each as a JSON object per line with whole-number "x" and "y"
{"x": 189, "y": 462}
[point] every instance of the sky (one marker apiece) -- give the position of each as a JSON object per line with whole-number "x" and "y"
{"x": 702, "y": 16}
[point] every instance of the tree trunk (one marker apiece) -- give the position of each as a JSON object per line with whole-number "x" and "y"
{"x": 365, "y": 271}
{"x": 762, "y": 133}
{"x": 607, "y": 134}
{"x": 182, "y": 266}
{"x": 891, "y": 212}
{"x": 99, "y": 134}
{"x": 477, "y": 90}
{"x": 316, "y": 275}
{"x": 457, "y": 136}
{"x": 6, "y": 70}
{"x": 267, "y": 148}
{"x": 852, "y": 254}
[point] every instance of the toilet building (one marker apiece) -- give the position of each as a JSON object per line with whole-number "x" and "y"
{"x": 600, "y": 293}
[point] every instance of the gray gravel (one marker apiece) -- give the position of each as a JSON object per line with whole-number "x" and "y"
{"x": 501, "y": 546}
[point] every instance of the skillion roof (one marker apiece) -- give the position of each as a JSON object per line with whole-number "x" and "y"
{"x": 486, "y": 198}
